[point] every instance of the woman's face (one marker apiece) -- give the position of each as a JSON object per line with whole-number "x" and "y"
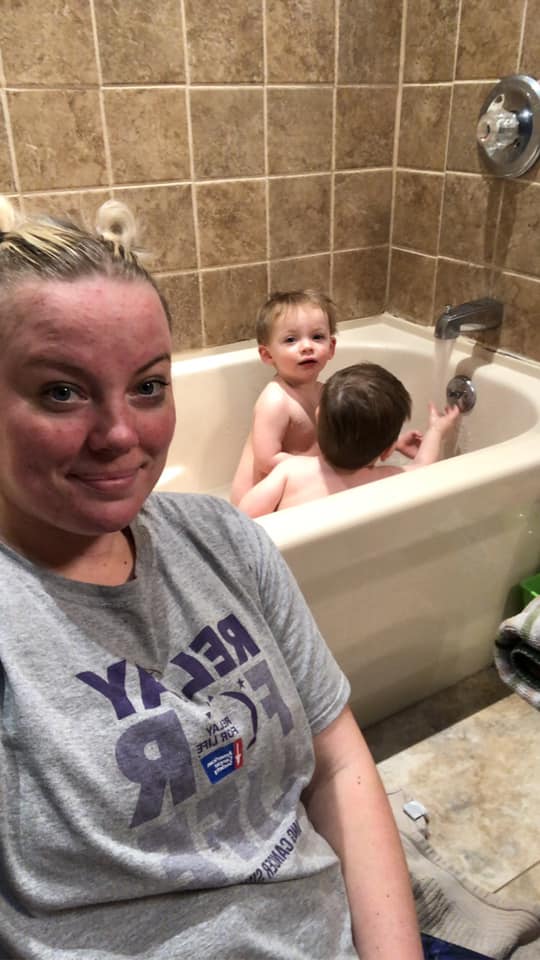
{"x": 86, "y": 408}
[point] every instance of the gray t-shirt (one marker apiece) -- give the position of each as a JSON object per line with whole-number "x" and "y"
{"x": 155, "y": 740}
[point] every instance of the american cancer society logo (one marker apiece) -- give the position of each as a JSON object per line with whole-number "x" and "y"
{"x": 223, "y": 761}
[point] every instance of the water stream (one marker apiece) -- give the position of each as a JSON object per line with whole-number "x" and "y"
{"x": 456, "y": 441}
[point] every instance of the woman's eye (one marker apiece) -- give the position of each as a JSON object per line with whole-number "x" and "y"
{"x": 61, "y": 393}
{"x": 152, "y": 388}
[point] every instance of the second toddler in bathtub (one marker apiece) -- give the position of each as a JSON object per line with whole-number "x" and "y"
{"x": 296, "y": 335}
{"x": 360, "y": 416}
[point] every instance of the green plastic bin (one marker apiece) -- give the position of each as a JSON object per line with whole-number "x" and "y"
{"x": 530, "y": 588}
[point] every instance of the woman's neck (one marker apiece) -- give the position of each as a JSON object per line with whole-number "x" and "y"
{"x": 107, "y": 559}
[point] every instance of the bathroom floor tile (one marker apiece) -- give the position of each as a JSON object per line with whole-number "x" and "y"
{"x": 435, "y": 713}
{"x": 480, "y": 781}
{"x": 526, "y": 886}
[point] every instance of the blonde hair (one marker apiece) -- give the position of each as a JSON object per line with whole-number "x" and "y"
{"x": 49, "y": 248}
{"x": 278, "y": 302}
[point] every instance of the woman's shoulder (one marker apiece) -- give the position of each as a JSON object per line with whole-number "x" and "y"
{"x": 196, "y": 515}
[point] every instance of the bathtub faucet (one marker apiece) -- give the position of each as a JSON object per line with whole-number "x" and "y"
{"x": 469, "y": 317}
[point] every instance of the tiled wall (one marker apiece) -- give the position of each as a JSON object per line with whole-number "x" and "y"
{"x": 458, "y": 234}
{"x": 222, "y": 126}
{"x": 256, "y": 142}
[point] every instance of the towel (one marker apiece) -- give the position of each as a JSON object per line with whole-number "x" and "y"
{"x": 451, "y": 908}
{"x": 517, "y": 652}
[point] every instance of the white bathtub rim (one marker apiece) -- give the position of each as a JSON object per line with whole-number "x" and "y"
{"x": 489, "y": 468}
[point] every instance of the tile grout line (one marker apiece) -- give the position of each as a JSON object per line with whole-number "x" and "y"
{"x": 266, "y": 160}
{"x": 9, "y": 133}
{"x": 395, "y": 150}
{"x": 194, "y": 205}
{"x": 445, "y": 167}
{"x": 101, "y": 100}
{"x": 331, "y": 230}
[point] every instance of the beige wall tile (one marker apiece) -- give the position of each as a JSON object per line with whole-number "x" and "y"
{"x": 462, "y": 147}
{"x": 430, "y": 40}
{"x": 517, "y": 243}
{"x": 58, "y": 138}
{"x": 228, "y": 133}
{"x": 369, "y": 41}
{"x": 164, "y": 216}
{"x": 362, "y": 208}
{"x": 359, "y": 284}
{"x": 519, "y": 332}
{"x": 300, "y": 41}
{"x": 59, "y": 51}
{"x": 231, "y": 300}
{"x": 458, "y": 282}
{"x": 299, "y": 215}
{"x": 301, "y": 274}
{"x": 417, "y": 210}
{"x": 299, "y": 130}
{"x": 232, "y": 222}
{"x": 147, "y": 134}
{"x": 225, "y": 41}
{"x": 424, "y": 127}
{"x": 7, "y": 181}
{"x": 59, "y": 149}
{"x": 470, "y": 210}
{"x": 181, "y": 292}
{"x": 139, "y": 43}
{"x": 80, "y": 207}
{"x": 412, "y": 279}
{"x": 488, "y": 38}
{"x": 365, "y": 120}
{"x": 530, "y": 55}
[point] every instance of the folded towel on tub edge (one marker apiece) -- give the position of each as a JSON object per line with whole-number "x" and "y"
{"x": 451, "y": 908}
{"x": 517, "y": 652}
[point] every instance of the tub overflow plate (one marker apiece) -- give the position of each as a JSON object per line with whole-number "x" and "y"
{"x": 460, "y": 393}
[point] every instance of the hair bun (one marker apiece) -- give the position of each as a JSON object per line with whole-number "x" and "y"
{"x": 116, "y": 223}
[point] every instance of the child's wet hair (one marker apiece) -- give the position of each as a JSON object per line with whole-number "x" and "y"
{"x": 281, "y": 301}
{"x": 49, "y": 248}
{"x": 361, "y": 413}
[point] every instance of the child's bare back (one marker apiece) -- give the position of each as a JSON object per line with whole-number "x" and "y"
{"x": 293, "y": 430}
{"x": 361, "y": 413}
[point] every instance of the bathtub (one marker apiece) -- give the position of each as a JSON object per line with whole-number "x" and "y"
{"x": 409, "y": 577}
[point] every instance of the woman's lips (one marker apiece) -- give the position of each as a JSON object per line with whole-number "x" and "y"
{"x": 118, "y": 482}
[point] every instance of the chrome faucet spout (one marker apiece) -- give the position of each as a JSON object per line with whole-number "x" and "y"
{"x": 469, "y": 317}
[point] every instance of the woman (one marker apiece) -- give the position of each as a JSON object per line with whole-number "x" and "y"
{"x": 179, "y": 763}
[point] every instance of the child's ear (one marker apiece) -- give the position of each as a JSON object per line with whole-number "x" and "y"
{"x": 332, "y": 347}
{"x": 265, "y": 354}
{"x": 386, "y": 453}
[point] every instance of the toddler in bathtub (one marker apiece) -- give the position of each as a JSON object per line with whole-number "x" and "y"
{"x": 361, "y": 412}
{"x": 296, "y": 335}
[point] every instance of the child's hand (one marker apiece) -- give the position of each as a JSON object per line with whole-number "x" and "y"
{"x": 443, "y": 422}
{"x": 409, "y": 442}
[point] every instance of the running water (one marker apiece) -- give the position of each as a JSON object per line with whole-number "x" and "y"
{"x": 441, "y": 368}
{"x": 453, "y": 444}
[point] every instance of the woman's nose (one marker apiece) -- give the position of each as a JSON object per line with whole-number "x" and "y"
{"x": 113, "y": 429}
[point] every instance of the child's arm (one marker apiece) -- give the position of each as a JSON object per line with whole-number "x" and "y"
{"x": 439, "y": 425}
{"x": 266, "y": 495}
{"x": 409, "y": 442}
{"x": 270, "y": 422}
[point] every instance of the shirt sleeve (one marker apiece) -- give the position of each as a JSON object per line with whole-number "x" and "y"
{"x": 321, "y": 684}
